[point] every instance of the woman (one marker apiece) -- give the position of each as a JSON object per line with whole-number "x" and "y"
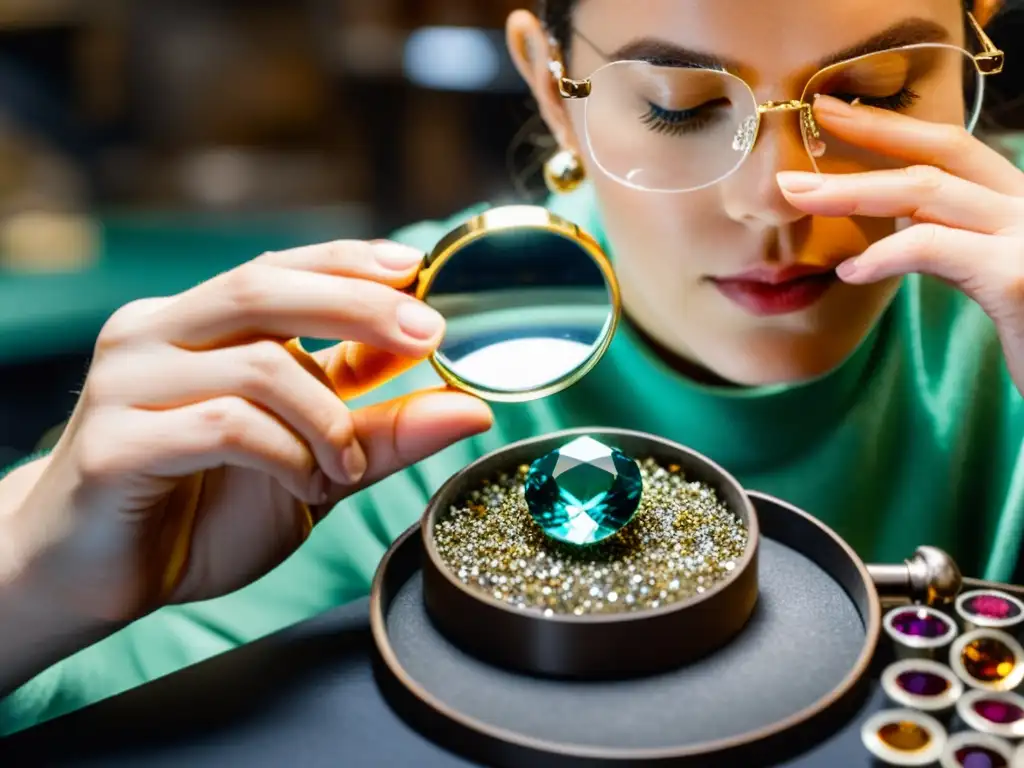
{"x": 881, "y": 392}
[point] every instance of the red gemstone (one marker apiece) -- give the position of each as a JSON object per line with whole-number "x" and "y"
{"x": 980, "y": 757}
{"x": 996, "y": 711}
{"x": 922, "y": 683}
{"x": 991, "y": 607}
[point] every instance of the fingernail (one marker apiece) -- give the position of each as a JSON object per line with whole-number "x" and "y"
{"x": 832, "y": 106}
{"x": 418, "y": 320}
{"x": 848, "y": 269}
{"x": 797, "y": 181}
{"x": 353, "y": 463}
{"x": 318, "y": 487}
{"x": 396, "y": 256}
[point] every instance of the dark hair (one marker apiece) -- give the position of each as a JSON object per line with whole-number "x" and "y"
{"x": 557, "y": 18}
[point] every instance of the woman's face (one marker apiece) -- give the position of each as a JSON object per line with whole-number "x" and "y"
{"x": 700, "y": 270}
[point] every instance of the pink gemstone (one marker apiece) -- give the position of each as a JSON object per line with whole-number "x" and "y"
{"x": 991, "y": 607}
{"x": 996, "y": 711}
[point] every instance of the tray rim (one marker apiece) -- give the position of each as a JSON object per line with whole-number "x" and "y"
{"x": 580, "y": 752}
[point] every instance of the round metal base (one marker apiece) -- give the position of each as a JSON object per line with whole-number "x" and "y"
{"x": 796, "y": 672}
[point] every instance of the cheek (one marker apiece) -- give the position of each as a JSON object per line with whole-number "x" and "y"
{"x": 646, "y": 228}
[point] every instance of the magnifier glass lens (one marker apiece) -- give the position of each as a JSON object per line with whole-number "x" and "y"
{"x": 525, "y": 308}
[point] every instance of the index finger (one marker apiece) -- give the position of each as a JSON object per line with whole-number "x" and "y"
{"x": 918, "y": 142}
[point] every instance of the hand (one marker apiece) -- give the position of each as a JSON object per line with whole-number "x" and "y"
{"x": 200, "y": 443}
{"x": 963, "y": 200}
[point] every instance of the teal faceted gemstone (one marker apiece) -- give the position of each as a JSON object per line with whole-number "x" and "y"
{"x": 583, "y": 492}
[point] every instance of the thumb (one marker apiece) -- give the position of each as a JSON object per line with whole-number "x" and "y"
{"x": 401, "y": 432}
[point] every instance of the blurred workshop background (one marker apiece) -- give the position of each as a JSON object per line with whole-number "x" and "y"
{"x": 146, "y": 145}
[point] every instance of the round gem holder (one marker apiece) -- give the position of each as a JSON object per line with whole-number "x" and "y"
{"x": 591, "y": 646}
{"x": 987, "y": 640}
{"x": 969, "y": 740}
{"x": 969, "y": 710}
{"x": 940, "y": 702}
{"x": 1010, "y": 619}
{"x": 874, "y": 730}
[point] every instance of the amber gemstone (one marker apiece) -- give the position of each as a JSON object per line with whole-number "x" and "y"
{"x": 988, "y": 660}
{"x": 904, "y": 736}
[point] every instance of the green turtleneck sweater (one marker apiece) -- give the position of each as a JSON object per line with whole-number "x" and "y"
{"x": 915, "y": 439}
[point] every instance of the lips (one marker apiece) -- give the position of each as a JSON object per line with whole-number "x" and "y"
{"x": 765, "y": 292}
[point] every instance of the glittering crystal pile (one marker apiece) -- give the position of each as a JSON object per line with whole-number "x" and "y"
{"x": 584, "y": 492}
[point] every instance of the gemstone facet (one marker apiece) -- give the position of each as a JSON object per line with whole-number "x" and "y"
{"x": 996, "y": 711}
{"x": 922, "y": 683}
{"x": 988, "y": 659}
{"x": 991, "y": 607}
{"x": 916, "y": 623}
{"x": 979, "y": 757}
{"x": 584, "y": 492}
{"x": 904, "y": 736}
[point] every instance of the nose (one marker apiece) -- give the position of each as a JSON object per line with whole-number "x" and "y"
{"x": 752, "y": 195}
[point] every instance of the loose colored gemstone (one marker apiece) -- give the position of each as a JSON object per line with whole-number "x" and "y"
{"x": 583, "y": 492}
{"x": 996, "y": 711}
{"x": 991, "y": 607}
{"x": 906, "y": 737}
{"x": 980, "y": 757}
{"x": 922, "y": 683}
{"x": 988, "y": 660}
{"x": 920, "y": 624}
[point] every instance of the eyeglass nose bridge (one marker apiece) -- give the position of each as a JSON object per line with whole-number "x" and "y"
{"x": 746, "y": 136}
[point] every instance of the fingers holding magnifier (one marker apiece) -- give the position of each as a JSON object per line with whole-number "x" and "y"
{"x": 355, "y": 369}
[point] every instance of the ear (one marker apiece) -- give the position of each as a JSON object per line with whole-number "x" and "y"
{"x": 531, "y": 52}
{"x": 985, "y": 10}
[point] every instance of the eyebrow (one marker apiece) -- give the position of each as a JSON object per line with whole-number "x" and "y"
{"x": 912, "y": 31}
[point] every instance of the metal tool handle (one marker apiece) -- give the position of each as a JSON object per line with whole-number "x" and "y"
{"x": 931, "y": 577}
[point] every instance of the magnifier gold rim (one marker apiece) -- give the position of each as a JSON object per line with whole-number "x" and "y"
{"x": 520, "y": 217}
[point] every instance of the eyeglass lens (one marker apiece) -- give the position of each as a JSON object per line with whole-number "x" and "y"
{"x": 677, "y": 129}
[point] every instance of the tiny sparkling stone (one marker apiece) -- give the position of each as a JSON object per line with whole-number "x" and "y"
{"x": 680, "y": 542}
{"x": 996, "y": 711}
{"x": 906, "y": 737}
{"x": 583, "y": 492}
{"x": 922, "y": 683}
{"x": 919, "y": 624}
{"x": 980, "y": 757}
{"x": 991, "y": 607}
{"x": 988, "y": 660}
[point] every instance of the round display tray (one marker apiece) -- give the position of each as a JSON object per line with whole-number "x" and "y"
{"x": 597, "y": 645}
{"x": 795, "y": 674}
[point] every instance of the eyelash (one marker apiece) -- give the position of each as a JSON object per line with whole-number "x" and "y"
{"x": 681, "y": 122}
{"x": 903, "y": 99}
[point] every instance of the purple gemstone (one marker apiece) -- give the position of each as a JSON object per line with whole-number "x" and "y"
{"x": 920, "y": 624}
{"x": 996, "y": 711}
{"x": 979, "y": 757}
{"x": 992, "y": 607}
{"x": 922, "y": 683}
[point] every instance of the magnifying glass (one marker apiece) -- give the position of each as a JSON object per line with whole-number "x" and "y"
{"x": 530, "y": 300}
